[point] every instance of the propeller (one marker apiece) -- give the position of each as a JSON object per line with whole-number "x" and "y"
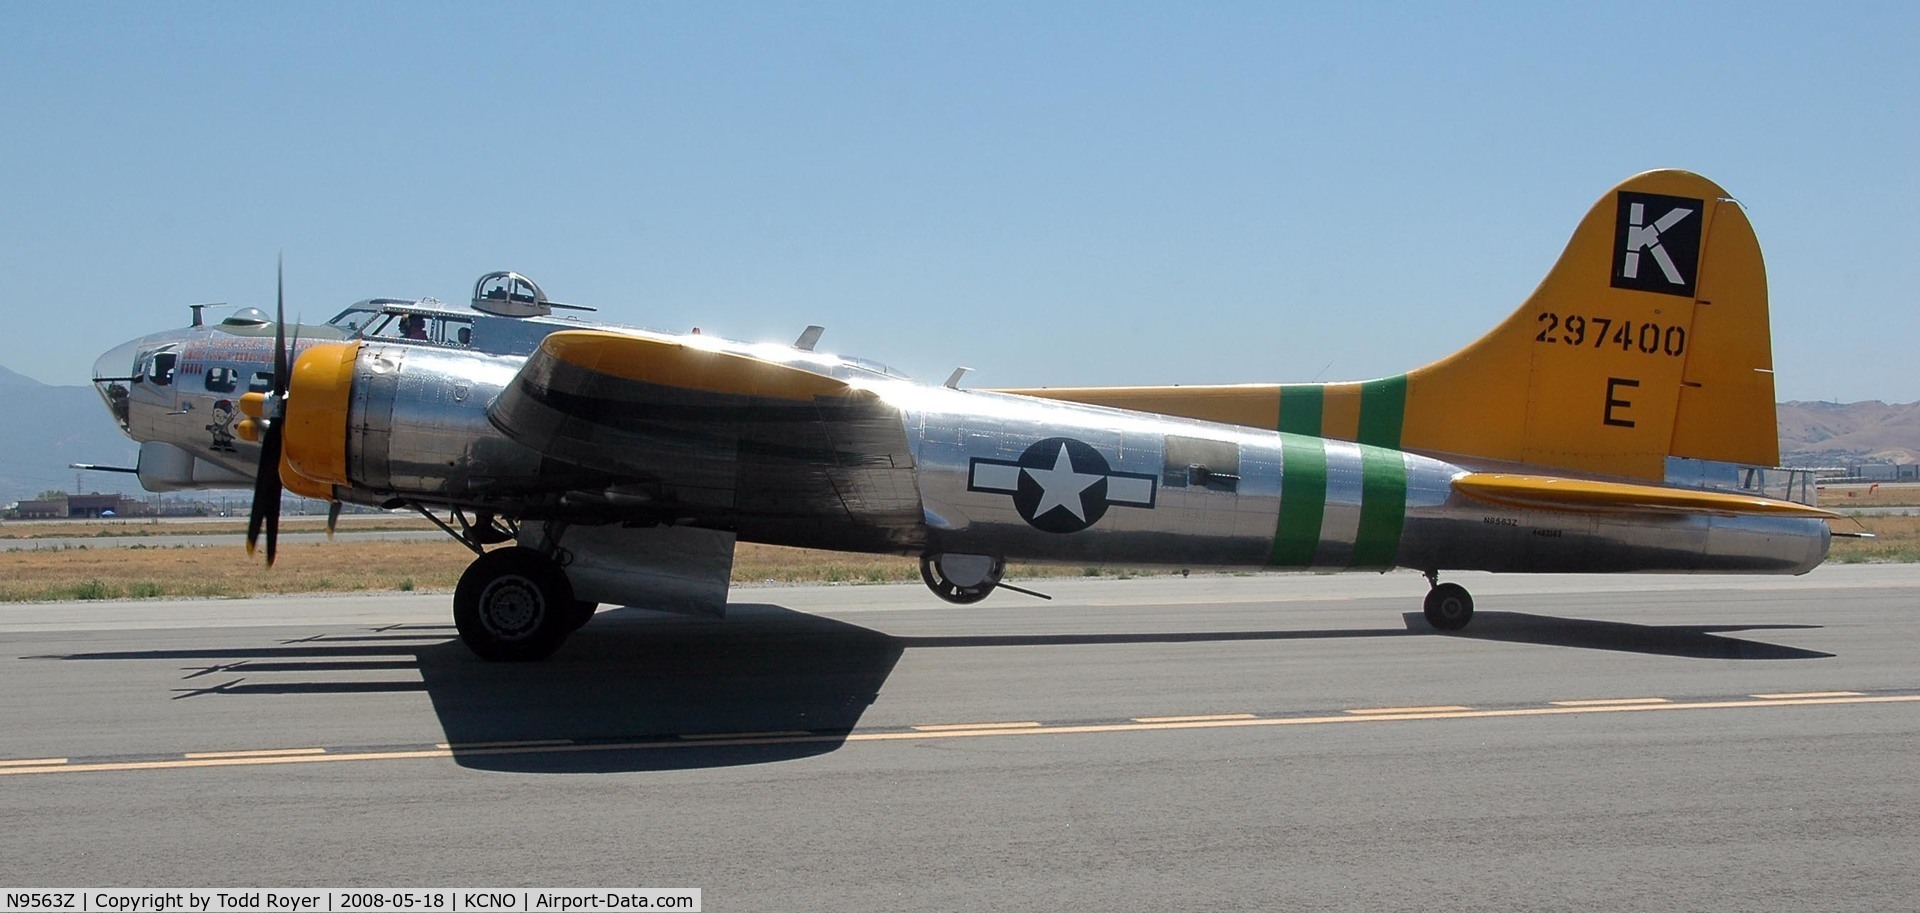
{"x": 266, "y": 481}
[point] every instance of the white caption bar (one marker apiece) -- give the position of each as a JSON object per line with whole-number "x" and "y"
{"x": 273, "y": 900}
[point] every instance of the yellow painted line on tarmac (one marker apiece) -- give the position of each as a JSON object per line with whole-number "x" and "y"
{"x": 1444, "y": 708}
{"x": 32, "y": 762}
{"x": 770, "y": 734}
{"x": 476, "y": 746}
{"x": 227, "y": 762}
{"x": 257, "y": 753}
{"x": 1201, "y": 718}
{"x": 944, "y": 731}
{"x": 977, "y": 727}
{"x": 1396, "y": 717}
{"x": 1793, "y": 695}
{"x": 1611, "y": 702}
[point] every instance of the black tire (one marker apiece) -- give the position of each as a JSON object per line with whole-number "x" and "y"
{"x": 953, "y": 592}
{"x": 1449, "y": 607}
{"x": 582, "y": 613}
{"x": 514, "y": 605}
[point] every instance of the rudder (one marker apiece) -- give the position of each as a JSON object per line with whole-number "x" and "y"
{"x": 1648, "y": 338}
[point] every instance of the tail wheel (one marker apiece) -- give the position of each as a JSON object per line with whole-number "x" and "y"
{"x": 514, "y": 605}
{"x": 961, "y": 579}
{"x": 1449, "y": 606}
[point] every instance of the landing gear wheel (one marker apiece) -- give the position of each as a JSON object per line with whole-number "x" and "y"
{"x": 1449, "y": 607}
{"x": 514, "y": 605}
{"x": 582, "y": 613}
{"x": 977, "y": 576}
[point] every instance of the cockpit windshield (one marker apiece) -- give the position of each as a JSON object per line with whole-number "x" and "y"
{"x": 391, "y": 318}
{"x": 361, "y": 314}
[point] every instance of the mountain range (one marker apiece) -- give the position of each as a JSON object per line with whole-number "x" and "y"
{"x": 51, "y": 426}
{"x": 1844, "y": 434}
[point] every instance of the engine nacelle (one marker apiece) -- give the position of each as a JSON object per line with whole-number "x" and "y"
{"x": 402, "y": 420}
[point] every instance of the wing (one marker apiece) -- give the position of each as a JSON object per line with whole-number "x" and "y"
{"x": 694, "y": 431}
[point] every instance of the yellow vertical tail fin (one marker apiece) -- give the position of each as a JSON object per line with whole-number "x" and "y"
{"x": 1649, "y": 338}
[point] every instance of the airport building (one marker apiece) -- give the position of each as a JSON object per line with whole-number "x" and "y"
{"x": 79, "y": 507}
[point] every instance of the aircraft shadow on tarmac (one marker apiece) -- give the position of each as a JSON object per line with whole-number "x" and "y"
{"x": 632, "y": 676}
{"x": 1690, "y": 641}
{"x": 639, "y": 676}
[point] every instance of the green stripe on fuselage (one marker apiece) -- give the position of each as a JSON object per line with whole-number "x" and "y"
{"x": 1383, "y": 406}
{"x": 1383, "y": 506}
{"x": 1303, "y": 498}
{"x": 1301, "y": 407}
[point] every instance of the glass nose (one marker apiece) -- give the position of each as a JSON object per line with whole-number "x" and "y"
{"x": 113, "y": 378}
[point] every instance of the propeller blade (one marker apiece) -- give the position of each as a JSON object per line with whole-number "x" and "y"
{"x": 333, "y": 518}
{"x": 280, "y": 335}
{"x": 266, "y": 494}
{"x": 265, "y": 512}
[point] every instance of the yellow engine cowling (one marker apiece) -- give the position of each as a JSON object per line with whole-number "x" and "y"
{"x": 313, "y": 458}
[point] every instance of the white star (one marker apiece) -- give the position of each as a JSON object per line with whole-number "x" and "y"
{"x": 1061, "y": 486}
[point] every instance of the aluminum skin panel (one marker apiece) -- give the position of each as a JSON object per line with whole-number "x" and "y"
{"x": 1051, "y": 481}
{"x": 417, "y": 425}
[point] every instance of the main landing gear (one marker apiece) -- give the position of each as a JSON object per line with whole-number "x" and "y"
{"x": 1449, "y": 606}
{"x": 515, "y": 604}
{"x": 512, "y": 604}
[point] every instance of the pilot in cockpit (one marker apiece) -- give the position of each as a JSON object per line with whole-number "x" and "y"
{"x": 413, "y": 326}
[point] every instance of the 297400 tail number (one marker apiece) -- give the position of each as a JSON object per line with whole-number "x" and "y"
{"x": 1646, "y": 338}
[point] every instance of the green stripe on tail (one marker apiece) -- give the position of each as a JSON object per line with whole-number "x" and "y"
{"x": 1383, "y": 407}
{"x": 1301, "y": 408}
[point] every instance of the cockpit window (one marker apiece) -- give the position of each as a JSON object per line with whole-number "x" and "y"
{"x": 262, "y": 382}
{"x": 352, "y": 322}
{"x": 222, "y": 380}
{"x": 159, "y": 368}
{"x": 438, "y": 329}
{"x": 364, "y": 317}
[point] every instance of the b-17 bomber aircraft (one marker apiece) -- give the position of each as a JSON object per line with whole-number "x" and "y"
{"x": 623, "y": 464}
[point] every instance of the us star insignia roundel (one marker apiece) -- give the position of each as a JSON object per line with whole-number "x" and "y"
{"x": 1060, "y": 485}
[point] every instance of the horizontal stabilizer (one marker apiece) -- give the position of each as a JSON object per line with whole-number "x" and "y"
{"x": 1550, "y": 493}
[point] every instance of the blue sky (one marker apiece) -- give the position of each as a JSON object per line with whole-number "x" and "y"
{"x": 1052, "y": 194}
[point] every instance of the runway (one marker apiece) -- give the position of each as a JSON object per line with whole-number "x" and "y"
{"x": 1259, "y": 743}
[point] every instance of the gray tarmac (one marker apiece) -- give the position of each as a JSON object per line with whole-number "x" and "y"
{"x": 1245, "y": 743}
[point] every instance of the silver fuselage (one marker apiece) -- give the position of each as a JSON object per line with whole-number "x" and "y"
{"x": 938, "y": 471}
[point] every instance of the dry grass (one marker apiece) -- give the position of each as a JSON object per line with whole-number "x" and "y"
{"x": 320, "y": 567}
{"x": 106, "y": 529}
{"x": 1896, "y": 541}
{"x": 348, "y": 565}
{"x": 1866, "y": 494}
